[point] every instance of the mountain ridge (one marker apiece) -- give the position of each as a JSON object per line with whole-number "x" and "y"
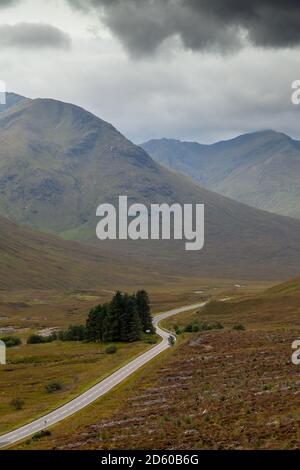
{"x": 259, "y": 169}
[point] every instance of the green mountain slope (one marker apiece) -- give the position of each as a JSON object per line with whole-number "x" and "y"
{"x": 58, "y": 162}
{"x": 259, "y": 169}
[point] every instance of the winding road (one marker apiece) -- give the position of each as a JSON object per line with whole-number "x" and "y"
{"x": 101, "y": 388}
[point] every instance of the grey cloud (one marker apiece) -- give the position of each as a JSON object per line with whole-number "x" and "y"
{"x": 33, "y": 35}
{"x": 8, "y": 3}
{"x": 218, "y": 25}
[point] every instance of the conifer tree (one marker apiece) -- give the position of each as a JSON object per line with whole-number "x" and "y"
{"x": 95, "y": 323}
{"x": 124, "y": 319}
{"x": 143, "y": 309}
{"x": 134, "y": 329}
{"x": 91, "y": 324}
{"x": 113, "y": 318}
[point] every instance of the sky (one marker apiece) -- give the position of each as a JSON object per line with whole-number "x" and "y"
{"x": 201, "y": 70}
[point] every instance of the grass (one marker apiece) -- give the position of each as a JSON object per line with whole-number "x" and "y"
{"x": 44, "y": 376}
{"x": 219, "y": 389}
{"x": 32, "y": 368}
{"x": 220, "y": 393}
{"x": 104, "y": 408}
{"x": 36, "y": 309}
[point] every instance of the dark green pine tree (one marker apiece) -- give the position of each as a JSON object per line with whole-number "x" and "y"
{"x": 101, "y": 322}
{"x": 113, "y": 318}
{"x": 134, "y": 325}
{"x": 124, "y": 319}
{"x": 144, "y": 312}
{"x": 95, "y": 323}
{"x": 91, "y": 329}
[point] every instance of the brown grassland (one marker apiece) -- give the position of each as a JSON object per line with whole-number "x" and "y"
{"x": 76, "y": 366}
{"x": 219, "y": 389}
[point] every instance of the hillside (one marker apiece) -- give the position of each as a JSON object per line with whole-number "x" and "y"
{"x": 30, "y": 259}
{"x": 259, "y": 169}
{"x": 58, "y": 162}
{"x": 276, "y": 307}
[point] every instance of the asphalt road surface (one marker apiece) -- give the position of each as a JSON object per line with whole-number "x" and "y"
{"x": 98, "y": 390}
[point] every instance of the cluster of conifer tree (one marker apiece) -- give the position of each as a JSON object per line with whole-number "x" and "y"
{"x": 125, "y": 318}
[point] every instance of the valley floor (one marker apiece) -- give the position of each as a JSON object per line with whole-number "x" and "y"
{"x": 73, "y": 367}
{"x": 239, "y": 387}
{"x": 224, "y": 389}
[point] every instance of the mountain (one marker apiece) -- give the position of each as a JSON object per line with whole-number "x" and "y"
{"x": 58, "y": 162}
{"x": 260, "y": 169}
{"x": 12, "y": 99}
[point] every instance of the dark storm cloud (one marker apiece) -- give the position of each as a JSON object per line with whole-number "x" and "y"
{"x": 270, "y": 23}
{"x": 33, "y": 35}
{"x": 218, "y": 25}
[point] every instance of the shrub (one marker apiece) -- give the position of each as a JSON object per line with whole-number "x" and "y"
{"x": 73, "y": 333}
{"x": 238, "y": 327}
{"x": 41, "y": 434}
{"x": 111, "y": 349}
{"x": 35, "y": 339}
{"x": 268, "y": 387}
{"x": 151, "y": 341}
{"x": 53, "y": 387}
{"x": 206, "y": 326}
{"x": 11, "y": 341}
{"x": 17, "y": 404}
{"x": 50, "y": 338}
{"x": 202, "y": 326}
{"x": 189, "y": 328}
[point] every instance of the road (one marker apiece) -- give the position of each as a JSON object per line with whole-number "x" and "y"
{"x": 98, "y": 390}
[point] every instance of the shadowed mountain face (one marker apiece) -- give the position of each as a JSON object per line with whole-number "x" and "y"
{"x": 259, "y": 169}
{"x": 59, "y": 162}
